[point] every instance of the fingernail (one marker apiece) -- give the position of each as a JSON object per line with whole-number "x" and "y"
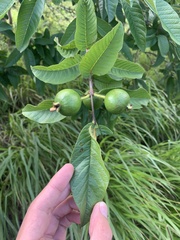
{"x": 103, "y": 209}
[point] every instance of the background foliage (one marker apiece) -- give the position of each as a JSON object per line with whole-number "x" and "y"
{"x": 143, "y": 154}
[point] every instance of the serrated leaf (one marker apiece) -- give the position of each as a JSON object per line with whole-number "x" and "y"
{"x": 110, "y": 7}
{"x": 126, "y": 69}
{"x": 86, "y": 25}
{"x": 65, "y": 71}
{"x": 41, "y": 113}
{"x": 138, "y": 98}
{"x": 13, "y": 58}
{"x": 30, "y": 13}
{"x": 90, "y": 179}
{"x": 169, "y": 19}
{"x": 163, "y": 45}
{"x": 136, "y": 22}
{"x": 68, "y": 50}
{"x": 103, "y": 54}
{"x": 5, "y": 5}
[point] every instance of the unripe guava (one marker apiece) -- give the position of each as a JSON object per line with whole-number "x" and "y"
{"x": 69, "y": 102}
{"x": 116, "y": 101}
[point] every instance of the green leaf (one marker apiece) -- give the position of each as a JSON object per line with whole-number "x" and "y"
{"x": 68, "y": 50}
{"x": 110, "y": 7}
{"x": 101, "y": 6}
{"x": 5, "y": 5}
{"x": 29, "y": 16}
{"x": 3, "y": 95}
{"x": 4, "y": 26}
{"x": 105, "y": 82}
{"x": 163, "y": 45}
{"x": 29, "y": 60}
{"x": 103, "y": 27}
{"x": 138, "y": 98}
{"x": 13, "y": 58}
{"x": 103, "y": 54}
{"x": 103, "y": 130}
{"x": 68, "y": 36}
{"x": 86, "y": 25}
{"x": 137, "y": 23}
{"x": 90, "y": 179}
{"x": 126, "y": 69}
{"x": 169, "y": 19}
{"x": 42, "y": 113}
{"x": 56, "y": 2}
{"x": 127, "y": 52}
{"x": 151, "y": 5}
{"x": 64, "y": 72}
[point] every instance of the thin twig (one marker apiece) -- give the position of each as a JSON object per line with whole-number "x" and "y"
{"x": 91, "y": 93}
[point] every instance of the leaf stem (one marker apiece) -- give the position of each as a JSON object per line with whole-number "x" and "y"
{"x": 99, "y": 95}
{"x": 91, "y": 93}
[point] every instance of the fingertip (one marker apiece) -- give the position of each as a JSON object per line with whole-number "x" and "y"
{"x": 68, "y": 167}
{"x": 103, "y": 209}
{"x": 99, "y": 225}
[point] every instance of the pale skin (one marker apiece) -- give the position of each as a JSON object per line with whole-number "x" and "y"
{"x": 54, "y": 210}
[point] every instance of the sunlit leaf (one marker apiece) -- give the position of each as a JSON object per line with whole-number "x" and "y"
{"x": 103, "y": 54}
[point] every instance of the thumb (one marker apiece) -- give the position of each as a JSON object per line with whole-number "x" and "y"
{"x": 99, "y": 228}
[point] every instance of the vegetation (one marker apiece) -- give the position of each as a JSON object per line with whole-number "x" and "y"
{"x": 142, "y": 155}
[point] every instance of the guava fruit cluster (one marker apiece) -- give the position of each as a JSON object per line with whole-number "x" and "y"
{"x": 68, "y": 102}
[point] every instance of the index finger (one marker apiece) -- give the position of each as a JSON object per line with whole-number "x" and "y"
{"x": 56, "y": 190}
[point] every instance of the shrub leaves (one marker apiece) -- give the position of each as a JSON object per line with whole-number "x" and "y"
{"x": 28, "y": 19}
{"x": 95, "y": 60}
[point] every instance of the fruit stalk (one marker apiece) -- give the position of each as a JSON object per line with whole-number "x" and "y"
{"x": 91, "y": 93}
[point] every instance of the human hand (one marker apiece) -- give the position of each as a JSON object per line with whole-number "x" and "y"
{"x": 53, "y": 211}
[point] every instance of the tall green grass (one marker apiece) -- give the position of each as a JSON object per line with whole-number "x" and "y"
{"x": 33, "y": 154}
{"x": 142, "y": 157}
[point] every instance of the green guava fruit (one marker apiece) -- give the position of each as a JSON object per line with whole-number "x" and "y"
{"x": 116, "y": 101}
{"x": 68, "y": 102}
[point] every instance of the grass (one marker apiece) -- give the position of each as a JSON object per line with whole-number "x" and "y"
{"x": 33, "y": 153}
{"x": 142, "y": 157}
